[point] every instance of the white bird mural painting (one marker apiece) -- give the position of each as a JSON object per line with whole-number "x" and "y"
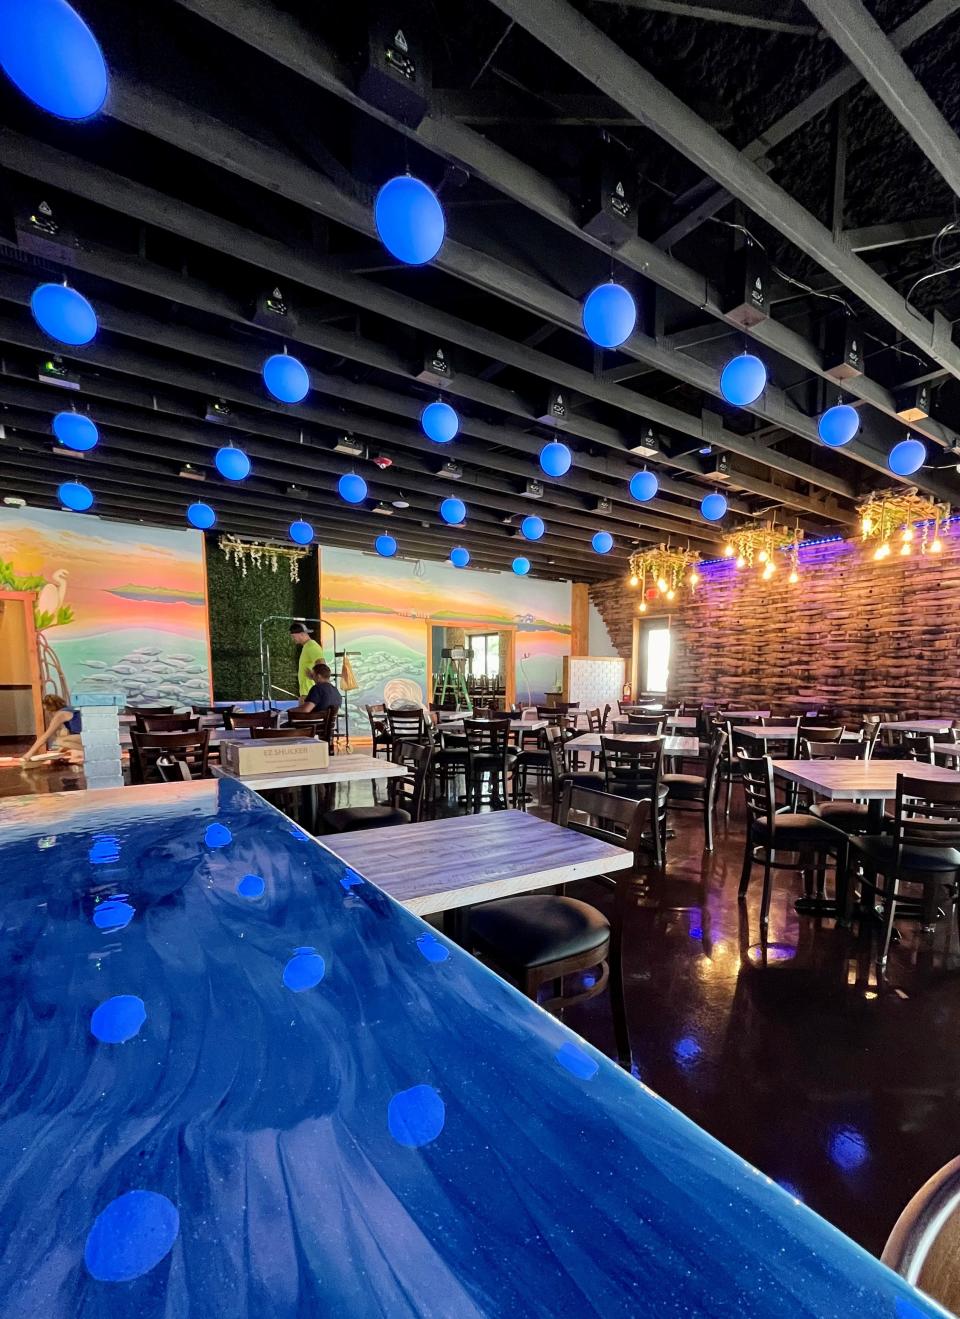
{"x": 51, "y": 597}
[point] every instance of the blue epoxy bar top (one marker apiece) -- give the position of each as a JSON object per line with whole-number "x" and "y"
{"x": 237, "y": 1080}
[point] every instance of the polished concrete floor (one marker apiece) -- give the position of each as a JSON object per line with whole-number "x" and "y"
{"x": 844, "y": 1090}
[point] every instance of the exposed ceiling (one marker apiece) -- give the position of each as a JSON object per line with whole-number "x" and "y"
{"x": 235, "y": 153}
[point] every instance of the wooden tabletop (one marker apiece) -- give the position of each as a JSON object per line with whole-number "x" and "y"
{"x": 441, "y": 864}
{"x": 516, "y": 725}
{"x": 672, "y": 746}
{"x": 933, "y": 726}
{"x": 744, "y": 714}
{"x": 342, "y": 769}
{"x": 783, "y": 731}
{"x": 850, "y": 780}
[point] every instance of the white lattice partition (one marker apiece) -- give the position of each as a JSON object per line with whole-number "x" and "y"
{"x": 594, "y": 681}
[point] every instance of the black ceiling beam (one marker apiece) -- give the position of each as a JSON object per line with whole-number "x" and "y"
{"x": 158, "y": 462}
{"x": 147, "y": 487}
{"x": 483, "y": 479}
{"x": 159, "y": 281}
{"x": 706, "y": 199}
{"x": 295, "y": 46}
{"x": 746, "y": 13}
{"x": 868, "y": 49}
{"x": 87, "y": 180}
{"x": 583, "y": 46}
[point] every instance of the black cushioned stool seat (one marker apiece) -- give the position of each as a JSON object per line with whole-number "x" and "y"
{"x": 537, "y": 929}
{"x": 347, "y": 818}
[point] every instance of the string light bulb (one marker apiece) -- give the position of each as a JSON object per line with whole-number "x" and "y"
{"x": 907, "y": 534}
{"x": 634, "y": 580}
{"x": 694, "y": 578}
{"x": 763, "y": 556}
{"x": 794, "y": 577}
{"x": 905, "y": 548}
{"x": 671, "y": 593}
{"x": 936, "y": 546}
{"x": 661, "y": 584}
{"x": 768, "y": 571}
{"x": 642, "y": 607}
{"x": 741, "y": 562}
{"x": 728, "y": 550}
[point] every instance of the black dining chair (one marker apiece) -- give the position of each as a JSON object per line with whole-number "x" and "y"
{"x": 633, "y": 767}
{"x": 698, "y": 791}
{"x": 191, "y": 749}
{"x": 770, "y": 833}
{"x": 379, "y": 732}
{"x": 539, "y": 938}
{"x": 922, "y": 849}
{"x": 406, "y": 724}
{"x": 488, "y": 758}
{"x": 235, "y": 719}
{"x": 406, "y": 795}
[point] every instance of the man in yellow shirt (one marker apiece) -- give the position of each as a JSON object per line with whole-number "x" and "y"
{"x": 311, "y": 652}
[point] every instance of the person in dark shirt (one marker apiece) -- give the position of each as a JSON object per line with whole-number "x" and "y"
{"x": 322, "y": 695}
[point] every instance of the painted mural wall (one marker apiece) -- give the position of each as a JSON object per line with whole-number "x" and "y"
{"x": 382, "y": 607}
{"x": 121, "y": 607}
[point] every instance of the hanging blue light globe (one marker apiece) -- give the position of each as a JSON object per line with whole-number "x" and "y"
{"x": 76, "y": 496}
{"x": 743, "y": 380}
{"x": 352, "y": 488}
{"x": 643, "y": 486}
{"x": 385, "y": 546}
{"x": 521, "y": 566}
{"x": 609, "y": 315}
{"x": 232, "y": 463}
{"x": 201, "y": 516}
{"x": 409, "y": 220}
{"x": 555, "y": 458}
{"x": 906, "y": 457}
{"x": 286, "y": 378}
{"x": 459, "y": 556}
{"x": 440, "y": 422}
{"x": 49, "y": 53}
{"x": 838, "y": 425}
{"x": 453, "y": 511}
{"x": 713, "y": 506}
{"x": 62, "y": 312}
{"x": 602, "y": 542}
{"x": 301, "y": 533}
{"x": 532, "y": 527}
{"x": 75, "y": 431}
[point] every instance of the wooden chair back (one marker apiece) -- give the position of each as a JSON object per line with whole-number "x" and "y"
{"x": 632, "y": 768}
{"x": 620, "y": 821}
{"x": 407, "y": 794}
{"x": 917, "y": 746}
{"x": 271, "y": 734}
{"x": 488, "y": 737}
{"x": 646, "y": 725}
{"x": 594, "y": 722}
{"x": 927, "y": 814}
{"x": 820, "y": 732}
{"x": 167, "y": 723}
{"x": 191, "y": 748}
{"x": 255, "y": 719}
{"x": 924, "y": 1246}
{"x": 407, "y": 724}
{"x": 757, "y": 775}
{"x": 150, "y": 709}
{"x": 833, "y": 750}
{"x": 318, "y": 723}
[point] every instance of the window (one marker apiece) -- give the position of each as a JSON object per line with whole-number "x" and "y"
{"x": 486, "y": 654}
{"x": 657, "y": 648}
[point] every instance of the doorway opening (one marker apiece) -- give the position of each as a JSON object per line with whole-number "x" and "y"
{"x": 656, "y": 659}
{"x": 479, "y": 663}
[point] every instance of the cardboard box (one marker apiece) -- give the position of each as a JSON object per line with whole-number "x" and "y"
{"x": 274, "y": 756}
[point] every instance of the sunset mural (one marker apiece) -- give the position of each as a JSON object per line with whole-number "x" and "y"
{"x": 128, "y": 607}
{"x": 381, "y": 608}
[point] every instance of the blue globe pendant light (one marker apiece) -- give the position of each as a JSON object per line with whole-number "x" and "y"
{"x": 609, "y": 315}
{"x": 440, "y": 422}
{"x": 555, "y": 459}
{"x": 713, "y": 506}
{"x": 532, "y": 527}
{"x": 602, "y": 542}
{"x": 453, "y": 511}
{"x": 521, "y": 566}
{"x": 459, "y": 556}
{"x": 409, "y": 220}
{"x": 838, "y": 425}
{"x": 301, "y": 533}
{"x": 201, "y": 516}
{"x": 385, "y": 546}
{"x": 49, "y": 53}
{"x": 286, "y": 378}
{"x": 352, "y": 488}
{"x": 907, "y": 457}
{"x": 743, "y": 380}
{"x": 74, "y": 495}
{"x": 74, "y": 431}
{"x": 232, "y": 463}
{"x": 63, "y": 313}
{"x": 643, "y": 486}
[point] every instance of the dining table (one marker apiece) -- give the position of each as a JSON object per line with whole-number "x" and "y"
{"x": 872, "y": 781}
{"x": 672, "y": 745}
{"x": 935, "y": 727}
{"x": 351, "y": 767}
{"x": 245, "y": 1083}
{"x": 783, "y": 732}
